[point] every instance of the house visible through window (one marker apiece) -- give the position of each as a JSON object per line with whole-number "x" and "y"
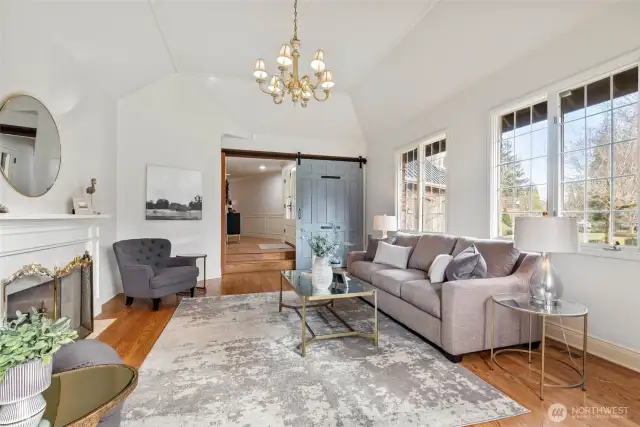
{"x": 422, "y": 184}
{"x": 599, "y": 158}
{"x": 521, "y": 165}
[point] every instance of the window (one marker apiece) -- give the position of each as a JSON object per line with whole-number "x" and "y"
{"x": 422, "y": 184}
{"x": 599, "y": 158}
{"x": 572, "y": 153}
{"x": 521, "y": 166}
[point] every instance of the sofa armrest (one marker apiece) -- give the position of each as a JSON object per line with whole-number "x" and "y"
{"x": 353, "y": 257}
{"x": 179, "y": 262}
{"x": 466, "y": 313}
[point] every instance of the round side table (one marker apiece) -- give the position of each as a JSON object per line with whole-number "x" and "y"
{"x": 195, "y": 258}
{"x": 522, "y": 302}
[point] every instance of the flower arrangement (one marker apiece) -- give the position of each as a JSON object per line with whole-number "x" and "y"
{"x": 32, "y": 336}
{"x": 324, "y": 245}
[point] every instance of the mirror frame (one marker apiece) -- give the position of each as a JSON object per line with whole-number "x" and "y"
{"x": 6, "y": 102}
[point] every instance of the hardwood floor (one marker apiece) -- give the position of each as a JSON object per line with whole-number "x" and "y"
{"x": 246, "y": 256}
{"x": 136, "y": 329}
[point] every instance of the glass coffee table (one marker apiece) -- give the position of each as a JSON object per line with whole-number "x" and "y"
{"x": 310, "y": 297}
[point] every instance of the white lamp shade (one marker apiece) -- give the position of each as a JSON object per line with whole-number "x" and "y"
{"x": 259, "y": 71}
{"x": 318, "y": 61}
{"x": 546, "y": 234}
{"x": 326, "y": 81}
{"x": 385, "y": 223}
{"x": 284, "y": 58}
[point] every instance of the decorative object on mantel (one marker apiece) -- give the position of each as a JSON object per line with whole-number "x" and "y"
{"x": 323, "y": 246}
{"x": 81, "y": 206}
{"x": 27, "y": 345}
{"x": 546, "y": 234}
{"x": 91, "y": 191}
{"x": 85, "y": 263}
{"x": 300, "y": 88}
{"x": 30, "y": 152}
{"x": 173, "y": 193}
{"x": 4, "y": 209}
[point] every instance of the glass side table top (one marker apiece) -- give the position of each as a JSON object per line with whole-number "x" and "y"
{"x": 301, "y": 282}
{"x": 522, "y": 302}
{"x": 82, "y": 396}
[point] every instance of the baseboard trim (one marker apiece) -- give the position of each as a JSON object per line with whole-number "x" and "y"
{"x": 598, "y": 347}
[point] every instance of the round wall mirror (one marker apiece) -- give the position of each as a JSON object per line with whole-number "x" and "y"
{"x": 29, "y": 145}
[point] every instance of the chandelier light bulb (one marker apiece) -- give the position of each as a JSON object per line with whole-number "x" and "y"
{"x": 318, "y": 61}
{"x": 274, "y": 85}
{"x": 284, "y": 58}
{"x": 260, "y": 70}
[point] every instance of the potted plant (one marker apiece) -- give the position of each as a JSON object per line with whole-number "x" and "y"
{"x": 323, "y": 246}
{"x": 27, "y": 345}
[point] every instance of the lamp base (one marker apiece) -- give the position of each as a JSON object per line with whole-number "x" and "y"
{"x": 545, "y": 285}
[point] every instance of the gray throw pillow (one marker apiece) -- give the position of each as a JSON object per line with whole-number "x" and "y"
{"x": 468, "y": 264}
{"x": 372, "y": 246}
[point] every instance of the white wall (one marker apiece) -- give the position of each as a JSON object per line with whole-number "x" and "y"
{"x": 258, "y": 198}
{"x": 34, "y": 63}
{"x": 344, "y": 147}
{"x": 607, "y": 287}
{"x": 172, "y": 123}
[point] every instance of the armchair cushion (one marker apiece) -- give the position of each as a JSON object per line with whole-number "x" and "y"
{"x": 392, "y": 280}
{"x": 170, "y": 276}
{"x": 178, "y": 262}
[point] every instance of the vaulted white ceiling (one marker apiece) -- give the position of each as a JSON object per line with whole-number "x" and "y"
{"x": 392, "y": 58}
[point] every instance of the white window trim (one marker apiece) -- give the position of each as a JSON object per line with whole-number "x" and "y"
{"x": 419, "y": 144}
{"x": 551, "y": 95}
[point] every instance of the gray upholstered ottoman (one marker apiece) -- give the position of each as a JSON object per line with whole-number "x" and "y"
{"x": 89, "y": 353}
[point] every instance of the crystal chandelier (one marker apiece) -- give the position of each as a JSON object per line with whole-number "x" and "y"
{"x": 300, "y": 88}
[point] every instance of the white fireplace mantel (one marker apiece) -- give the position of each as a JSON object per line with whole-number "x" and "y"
{"x": 51, "y": 240}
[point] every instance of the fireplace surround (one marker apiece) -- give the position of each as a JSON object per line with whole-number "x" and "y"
{"x": 64, "y": 292}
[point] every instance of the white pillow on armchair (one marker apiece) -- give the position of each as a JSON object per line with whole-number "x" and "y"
{"x": 395, "y": 256}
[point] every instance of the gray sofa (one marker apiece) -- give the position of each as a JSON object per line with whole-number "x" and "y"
{"x": 455, "y": 316}
{"x": 148, "y": 270}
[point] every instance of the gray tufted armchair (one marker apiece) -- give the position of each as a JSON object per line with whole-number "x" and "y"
{"x": 148, "y": 270}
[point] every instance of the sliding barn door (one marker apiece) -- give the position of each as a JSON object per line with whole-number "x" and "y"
{"x": 328, "y": 192}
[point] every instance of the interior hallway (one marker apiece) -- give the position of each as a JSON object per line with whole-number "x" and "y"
{"x": 246, "y": 256}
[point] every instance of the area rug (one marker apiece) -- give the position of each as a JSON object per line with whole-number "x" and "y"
{"x": 234, "y": 361}
{"x": 266, "y": 246}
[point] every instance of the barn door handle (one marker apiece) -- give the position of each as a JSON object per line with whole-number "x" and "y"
{"x": 329, "y": 177}
{"x": 299, "y": 214}
{"x": 328, "y": 227}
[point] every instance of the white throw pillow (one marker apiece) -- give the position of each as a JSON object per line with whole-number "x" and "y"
{"x": 395, "y": 256}
{"x": 438, "y": 267}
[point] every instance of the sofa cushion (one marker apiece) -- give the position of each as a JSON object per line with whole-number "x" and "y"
{"x": 171, "y": 276}
{"x": 468, "y": 264}
{"x": 392, "y": 280}
{"x": 364, "y": 269}
{"x": 395, "y": 256}
{"x": 372, "y": 246}
{"x": 429, "y": 246}
{"x": 406, "y": 239}
{"x": 424, "y": 295}
{"x": 500, "y": 255}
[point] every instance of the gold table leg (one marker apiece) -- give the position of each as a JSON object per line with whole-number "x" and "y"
{"x": 280, "y": 303}
{"x": 530, "y": 338}
{"x": 584, "y": 353}
{"x": 493, "y": 309}
{"x": 375, "y": 307}
{"x": 542, "y": 344}
{"x": 303, "y": 345}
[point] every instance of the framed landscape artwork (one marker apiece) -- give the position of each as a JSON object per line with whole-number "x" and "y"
{"x": 173, "y": 193}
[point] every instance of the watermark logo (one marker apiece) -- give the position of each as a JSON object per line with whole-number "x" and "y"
{"x": 557, "y": 412}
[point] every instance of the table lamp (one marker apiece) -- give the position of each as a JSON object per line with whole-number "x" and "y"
{"x": 546, "y": 234}
{"x": 385, "y": 223}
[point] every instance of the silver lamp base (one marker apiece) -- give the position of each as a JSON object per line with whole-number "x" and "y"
{"x": 545, "y": 285}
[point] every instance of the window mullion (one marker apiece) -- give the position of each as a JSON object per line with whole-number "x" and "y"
{"x": 554, "y": 153}
{"x": 420, "y": 184}
{"x": 612, "y": 194}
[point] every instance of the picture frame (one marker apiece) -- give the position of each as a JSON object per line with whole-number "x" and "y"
{"x": 82, "y": 206}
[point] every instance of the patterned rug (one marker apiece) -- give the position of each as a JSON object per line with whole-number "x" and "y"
{"x": 233, "y": 361}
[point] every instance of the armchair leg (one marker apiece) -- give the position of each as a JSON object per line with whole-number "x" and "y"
{"x": 129, "y": 301}
{"x": 192, "y": 291}
{"x": 156, "y": 304}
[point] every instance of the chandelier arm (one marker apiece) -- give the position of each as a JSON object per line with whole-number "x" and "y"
{"x": 262, "y": 88}
{"x": 278, "y": 99}
{"x": 327, "y": 93}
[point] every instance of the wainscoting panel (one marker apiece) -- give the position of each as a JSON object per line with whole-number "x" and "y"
{"x": 270, "y": 225}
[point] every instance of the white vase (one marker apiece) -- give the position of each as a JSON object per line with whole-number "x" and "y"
{"x": 321, "y": 273}
{"x": 20, "y": 393}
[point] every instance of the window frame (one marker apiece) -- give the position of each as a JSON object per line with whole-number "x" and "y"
{"x": 420, "y": 146}
{"x": 554, "y": 164}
